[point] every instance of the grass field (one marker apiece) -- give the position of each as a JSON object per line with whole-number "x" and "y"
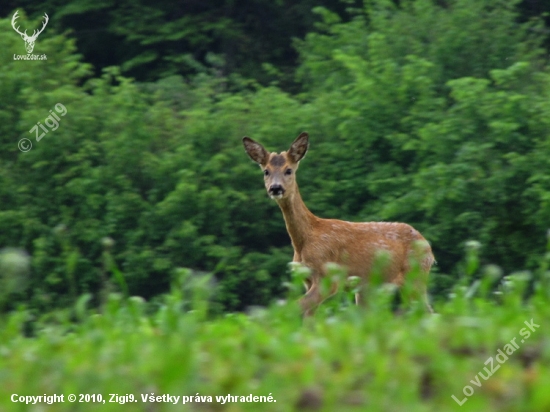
{"x": 488, "y": 346}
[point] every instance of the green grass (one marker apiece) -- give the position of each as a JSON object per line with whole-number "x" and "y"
{"x": 344, "y": 358}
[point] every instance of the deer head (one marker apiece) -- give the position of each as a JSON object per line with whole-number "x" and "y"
{"x": 279, "y": 168}
{"x": 29, "y": 40}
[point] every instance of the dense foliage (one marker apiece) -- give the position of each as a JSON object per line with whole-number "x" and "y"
{"x": 149, "y": 39}
{"x": 436, "y": 115}
{"x": 140, "y": 255}
{"x": 484, "y": 351}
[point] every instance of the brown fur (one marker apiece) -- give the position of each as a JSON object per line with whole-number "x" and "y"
{"x": 318, "y": 241}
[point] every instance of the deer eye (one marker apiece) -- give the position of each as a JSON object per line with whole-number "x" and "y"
{"x": 266, "y": 172}
{"x": 288, "y": 172}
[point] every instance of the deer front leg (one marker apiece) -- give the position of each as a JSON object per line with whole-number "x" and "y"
{"x": 361, "y": 296}
{"x": 298, "y": 259}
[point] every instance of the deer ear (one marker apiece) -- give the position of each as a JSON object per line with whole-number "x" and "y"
{"x": 256, "y": 151}
{"x": 298, "y": 149}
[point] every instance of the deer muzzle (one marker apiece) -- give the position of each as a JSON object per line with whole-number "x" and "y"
{"x": 276, "y": 191}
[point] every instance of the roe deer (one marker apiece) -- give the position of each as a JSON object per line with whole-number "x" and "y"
{"x": 318, "y": 241}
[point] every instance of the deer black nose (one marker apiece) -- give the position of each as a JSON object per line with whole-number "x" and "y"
{"x": 276, "y": 190}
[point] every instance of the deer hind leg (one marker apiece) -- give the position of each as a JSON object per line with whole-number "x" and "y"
{"x": 421, "y": 259}
{"x": 311, "y": 300}
{"x": 425, "y": 266}
{"x": 423, "y": 291}
{"x": 429, "y": 308}
{"x": 419, "y": 290}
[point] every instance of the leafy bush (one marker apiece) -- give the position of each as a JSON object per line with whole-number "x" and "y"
{"x": 344, "y": 358}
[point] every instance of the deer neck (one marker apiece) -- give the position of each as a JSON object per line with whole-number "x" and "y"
{"x": 298, "y": 219}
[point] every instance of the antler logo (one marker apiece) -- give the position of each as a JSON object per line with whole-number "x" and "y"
{"x": 29, "y": 40}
